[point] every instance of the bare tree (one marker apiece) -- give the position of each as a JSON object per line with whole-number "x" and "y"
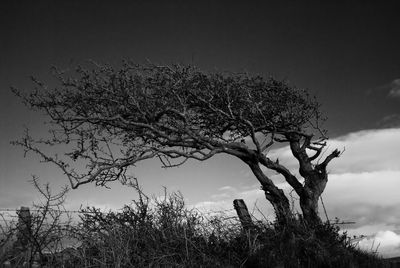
{"x": 114, "y": 118}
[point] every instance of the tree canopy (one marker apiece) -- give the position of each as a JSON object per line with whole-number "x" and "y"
{"x": 113, "y": 118}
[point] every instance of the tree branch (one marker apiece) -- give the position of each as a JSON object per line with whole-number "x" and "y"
{"x": 336, "y": 153}
{"x": 289, "y": 177}
{"x": 169, "y": 112}
{"x": 299, "y": 152}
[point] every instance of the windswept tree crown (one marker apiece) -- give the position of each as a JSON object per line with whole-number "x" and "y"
{"x": 114, "y": 118}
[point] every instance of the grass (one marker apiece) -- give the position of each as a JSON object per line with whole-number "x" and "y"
{"x": 164, "y": 233}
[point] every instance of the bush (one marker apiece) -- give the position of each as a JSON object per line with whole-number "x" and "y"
{"x": 165, "y": 233}
{"x": 162, "y": 232}
{"x": 158, "y": 233}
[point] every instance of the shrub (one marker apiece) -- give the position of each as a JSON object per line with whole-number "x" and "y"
{"x": 163, "y": 232}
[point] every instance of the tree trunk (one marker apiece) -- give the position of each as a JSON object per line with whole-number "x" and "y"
{"x": 273, "y": 194}
{"x": 313, "y": 188}
{"x": 315, "y": 176}
{"x": 281, "y": 206}
{"x": 309, "y": 207}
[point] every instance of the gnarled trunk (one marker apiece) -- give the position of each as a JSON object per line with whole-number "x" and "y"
{"x": 281, "y": 206}
{"x": 315, "y": 175}
{"x": 313, "y": 188}
{"x": 273, "y": 194}
{"x": 309, "y": 207}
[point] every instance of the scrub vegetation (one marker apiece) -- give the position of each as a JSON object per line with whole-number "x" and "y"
{"x": 163, "y": 232}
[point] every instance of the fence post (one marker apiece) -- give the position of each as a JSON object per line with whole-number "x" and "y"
{"x": 24, "y": 227}
{"x": 243, "y": 214}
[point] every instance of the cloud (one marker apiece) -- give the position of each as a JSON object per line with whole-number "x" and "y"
{"x": 394, "y": 91}
{"x": 390, "y": 121}
{"x": 373, "y": 188}
{"x": 254, "y": 199}
{"x": 387, "y": 243}
{"x": 365, "y": 151}
{"x": 391, "y": 90}
{"x": 227, "y": 188}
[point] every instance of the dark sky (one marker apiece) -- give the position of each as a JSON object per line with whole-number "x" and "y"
{"x": 345, "y": 52}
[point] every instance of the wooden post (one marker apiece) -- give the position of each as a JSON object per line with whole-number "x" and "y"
{"x": 243, "y": 214}
{"x": 24, "y": 227}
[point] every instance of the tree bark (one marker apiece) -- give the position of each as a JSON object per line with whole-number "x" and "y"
{"x": 314, "y": 186}
{"x": 309, "y": 207}
{"x": 315, "y": 176}
{"x": 273, "y": 194}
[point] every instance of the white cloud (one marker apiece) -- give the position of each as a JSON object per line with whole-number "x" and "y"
{"x": 370, "y": 229}
{"x": 365, "y": 151}
{"x": 221, "y": 196}
{"x": 254, "y": 199}
{"x": 394, "y": 89}
{"x": 227, "y": 188}
{"x": 387, "y": 243}
{"x": 370, "y": 150}
{"x": 215, "y": 207}
{"x": 379, "y": 187}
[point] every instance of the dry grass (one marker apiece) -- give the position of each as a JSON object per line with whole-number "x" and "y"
{"x": 164, "y": 233}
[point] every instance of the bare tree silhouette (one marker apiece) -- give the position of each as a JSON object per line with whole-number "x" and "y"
{"x": 114, "y": 118}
